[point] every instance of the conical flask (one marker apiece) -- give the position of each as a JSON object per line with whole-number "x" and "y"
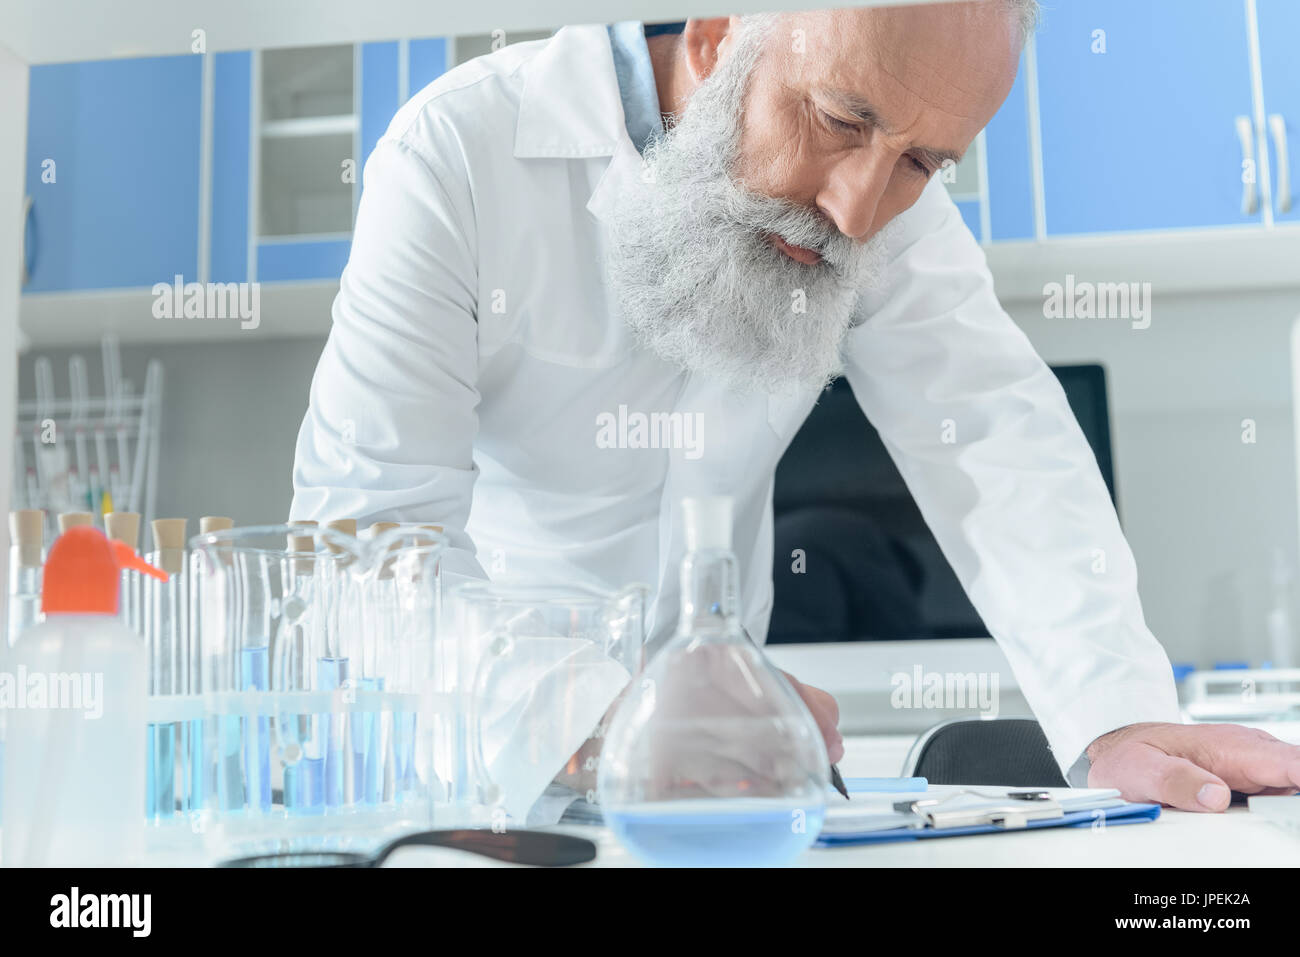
{"x": 712, "y": 758}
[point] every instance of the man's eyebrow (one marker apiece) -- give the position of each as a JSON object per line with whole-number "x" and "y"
{"x": 857, "y": 106}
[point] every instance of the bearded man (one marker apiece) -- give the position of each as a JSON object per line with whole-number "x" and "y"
{"x": 705, "y": 223}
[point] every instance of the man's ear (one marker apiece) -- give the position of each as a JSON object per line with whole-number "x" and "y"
{"x": 703, "y": 41}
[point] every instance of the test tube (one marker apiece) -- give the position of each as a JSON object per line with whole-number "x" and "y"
{"x": 26, "y": 540}
{"x": 165, "y": 625}
{"x": 195, "y": 744}
{"x": 258, "y": 594}
{"x": 383, "y": 732}
{"x": 300, "y": 735}
{"x": 125, "y": 527}
{"x": 334, "y": 670}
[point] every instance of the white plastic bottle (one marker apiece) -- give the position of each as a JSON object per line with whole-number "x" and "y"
{"x": 74, "y": 763}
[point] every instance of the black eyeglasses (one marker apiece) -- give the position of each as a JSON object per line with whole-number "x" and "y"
{"x": 538, "y": 848}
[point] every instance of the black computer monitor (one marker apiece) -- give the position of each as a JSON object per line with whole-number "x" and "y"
{"x": 871, "y": 570}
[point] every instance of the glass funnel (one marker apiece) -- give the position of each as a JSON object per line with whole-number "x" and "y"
{"x": 712, "y": 758}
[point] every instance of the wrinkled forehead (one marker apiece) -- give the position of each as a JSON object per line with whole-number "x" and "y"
{"x": 959, "y": 59}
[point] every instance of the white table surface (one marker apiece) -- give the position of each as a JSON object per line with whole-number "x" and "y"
{"x": 1176, "y": 839}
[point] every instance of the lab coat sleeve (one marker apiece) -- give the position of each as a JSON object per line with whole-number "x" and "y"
{"x": 981, "y": 431}
{"x": 391, "y": 421}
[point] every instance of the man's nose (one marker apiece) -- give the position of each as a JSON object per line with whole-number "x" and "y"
{"x": 854, "y": 189}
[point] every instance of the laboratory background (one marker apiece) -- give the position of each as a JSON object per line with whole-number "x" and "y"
{"x": 1198, "y": 400}
{"x": 1155, "y": 160}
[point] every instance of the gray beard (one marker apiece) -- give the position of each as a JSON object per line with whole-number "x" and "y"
{"x": 694, "y": 273}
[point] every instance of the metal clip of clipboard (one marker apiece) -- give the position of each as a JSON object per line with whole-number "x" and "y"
{"x": 1009, "y": 810}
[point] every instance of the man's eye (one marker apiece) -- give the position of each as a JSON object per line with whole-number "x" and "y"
{"x": 837, "y": 124}
{"x": 920, "y": 167}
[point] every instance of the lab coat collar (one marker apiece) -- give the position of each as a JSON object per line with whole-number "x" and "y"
{"x": 570, "y": 107}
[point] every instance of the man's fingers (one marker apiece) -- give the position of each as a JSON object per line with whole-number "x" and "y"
{"x": 1145, "y": 773}
{"x": 1250, "y": 759}
{"x": 825, "y": 711}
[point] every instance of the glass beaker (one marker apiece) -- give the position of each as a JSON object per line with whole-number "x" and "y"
{"x": 544, "y": 665}
{"x": 317, "y": 665}
{"x": 712, "y": 758}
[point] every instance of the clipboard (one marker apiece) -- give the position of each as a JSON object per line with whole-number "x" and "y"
{"x": 874, "y": 816}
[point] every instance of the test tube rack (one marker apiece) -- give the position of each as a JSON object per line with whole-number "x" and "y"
{"x": 75, "y": 452}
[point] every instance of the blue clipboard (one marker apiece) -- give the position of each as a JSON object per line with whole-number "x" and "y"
{"x": 1110, "y": 816}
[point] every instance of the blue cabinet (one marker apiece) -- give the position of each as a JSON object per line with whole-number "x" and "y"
{"x": 244, "y": 164}
{"x": 994, "y": 186}
{"x": 232, "y": 154}
{"x": 427, "y": 59}
{"x": 1010, "y": 177}
{"x": 1279, "y": 38}
{"x": 114, "y": 157}
{"x": 1144, "y": 135}
{"x": 113, "y": 173}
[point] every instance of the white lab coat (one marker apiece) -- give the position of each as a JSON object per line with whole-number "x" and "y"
{"x": 474, "y": 346}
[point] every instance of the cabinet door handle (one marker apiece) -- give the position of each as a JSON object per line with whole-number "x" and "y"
{"x": 1277, "y": 126}
{"x": 24, "y": 253}
{"x": 1249, "y": 193}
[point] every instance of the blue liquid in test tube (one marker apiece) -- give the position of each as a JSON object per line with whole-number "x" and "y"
{"x": 254, "y": 673}
{"x": 160, "y": 771}
{"x": 367, "y": 758}
{"x": 332, "y": 674}
{"x": 404, "y": 749}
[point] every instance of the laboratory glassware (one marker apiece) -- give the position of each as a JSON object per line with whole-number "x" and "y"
{"x": 65, "y": 441}
{"x": 712, "y": 758}
{"x": 165, "y": 623}
{"x": 316, "y": 670}
{"x": 26, "y": 539}
{"x": 74, "y": 784}
{"x": 543, "y": 665}
{"x": 125, "y": 527}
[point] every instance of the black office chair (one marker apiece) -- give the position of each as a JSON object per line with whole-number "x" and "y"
{"x": 1011, "y": 752}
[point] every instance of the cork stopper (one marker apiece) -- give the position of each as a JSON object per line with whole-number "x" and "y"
{"x": 347, "y": 526}
{"x": 215, "y": 523}
{"x": 69, "y": 520}
{"x": 303, "y": 561}
{"x": 27, "y": 535}
{"x": 432, "y": 528}
{"x": 169, "y": 543}
{"x": 124, "y": 527}
{"x": 378, "y": 528}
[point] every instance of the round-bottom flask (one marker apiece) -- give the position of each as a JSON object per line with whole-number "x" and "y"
{"x": 712, "y": 758}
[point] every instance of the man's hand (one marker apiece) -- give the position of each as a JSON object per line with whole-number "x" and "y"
{"x": 1192, "y": 766}
{"x": 826, "y": 711}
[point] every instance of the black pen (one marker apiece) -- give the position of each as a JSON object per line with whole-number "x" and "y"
{"x": 837, "y": 782}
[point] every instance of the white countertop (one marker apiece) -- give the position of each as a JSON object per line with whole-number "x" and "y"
{"x": 1176, "y": 839}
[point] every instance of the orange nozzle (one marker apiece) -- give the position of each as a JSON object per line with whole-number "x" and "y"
{"x": 82, "y": 572}
{"x": 127, "y": 558}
